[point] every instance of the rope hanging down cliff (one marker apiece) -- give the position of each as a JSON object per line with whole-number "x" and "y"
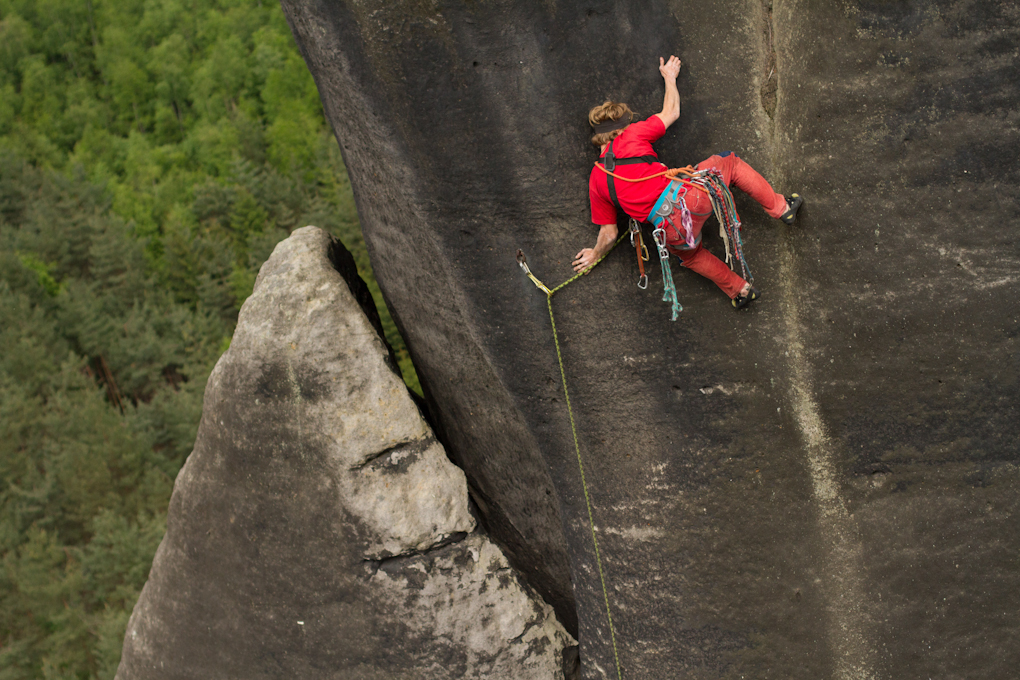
{"x": 549, "y": 292}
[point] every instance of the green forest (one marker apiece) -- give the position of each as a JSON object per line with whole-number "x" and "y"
{"x": 152, "y": 154}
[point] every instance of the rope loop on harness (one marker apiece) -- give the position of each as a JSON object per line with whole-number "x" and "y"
{"x": 729, "y": 221}
{"x": 672, "y": 173}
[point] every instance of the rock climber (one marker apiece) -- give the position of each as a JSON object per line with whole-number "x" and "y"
{"x": 622, "y": 139}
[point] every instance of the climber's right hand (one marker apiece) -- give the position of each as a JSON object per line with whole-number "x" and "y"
{"x": 584, "y": 259}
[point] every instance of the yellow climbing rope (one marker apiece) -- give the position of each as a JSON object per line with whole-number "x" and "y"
{"x": 549, "y": 292}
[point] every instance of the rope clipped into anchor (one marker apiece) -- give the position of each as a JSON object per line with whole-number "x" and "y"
{"x": 549, "y": 292}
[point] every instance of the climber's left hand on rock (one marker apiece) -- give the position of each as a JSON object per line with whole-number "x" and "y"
{"x": 669, "y": 69}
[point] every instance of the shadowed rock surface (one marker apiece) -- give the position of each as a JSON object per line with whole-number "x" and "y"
{"x": 318, "y": 529}
{"x": 825, "y": 486}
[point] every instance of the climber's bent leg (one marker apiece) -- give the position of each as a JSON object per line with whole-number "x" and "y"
{"x": 713, "y": 269}
{"x": 736, "y": 172}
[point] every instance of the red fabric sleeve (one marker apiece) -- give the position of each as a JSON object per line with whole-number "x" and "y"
{"x": 602, "y": 209}
{"x": 649, "y": 130}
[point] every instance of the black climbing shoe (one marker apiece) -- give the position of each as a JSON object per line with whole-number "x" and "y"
{"x": 742, "y": 301}
{"x": 795, "y": 201}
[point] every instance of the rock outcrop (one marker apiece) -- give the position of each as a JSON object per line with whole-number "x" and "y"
{"x": 824, "y": 486}
{"x": 318, "y": 529}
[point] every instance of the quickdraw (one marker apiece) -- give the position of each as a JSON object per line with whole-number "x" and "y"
{"x": 668, "y": 288}
{"x": 642, "y": 252}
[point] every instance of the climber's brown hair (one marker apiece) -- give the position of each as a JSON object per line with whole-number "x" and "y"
{"x": 607, "y": 112}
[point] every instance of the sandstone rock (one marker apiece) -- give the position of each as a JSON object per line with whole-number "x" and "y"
{"x": 318, "y": 529}
{"x": 468, "y": 594}
{"x": 824, "y": 486}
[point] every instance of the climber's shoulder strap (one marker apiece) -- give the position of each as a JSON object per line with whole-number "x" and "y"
{"x": 610, "y": 161}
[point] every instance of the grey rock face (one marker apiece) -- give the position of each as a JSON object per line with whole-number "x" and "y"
{"x": 318, "y": 529}
{"x": 825, "y": 486}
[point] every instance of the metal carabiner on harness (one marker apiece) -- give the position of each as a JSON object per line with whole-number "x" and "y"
{"x": 659, "y": 235}
{"x": 635, "y": 232}
{"x": 641, "y": 250}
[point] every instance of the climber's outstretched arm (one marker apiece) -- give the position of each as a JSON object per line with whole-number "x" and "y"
{"x": 589, "y": 256}
{"x": 671, "y": 102}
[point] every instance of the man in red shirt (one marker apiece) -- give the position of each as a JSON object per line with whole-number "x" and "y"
{"x": 626, "y": 151}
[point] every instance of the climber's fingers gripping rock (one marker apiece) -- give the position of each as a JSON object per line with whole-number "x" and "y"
{"x": 669, "y": 69}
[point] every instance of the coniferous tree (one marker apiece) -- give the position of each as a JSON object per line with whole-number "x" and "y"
{"x": 152, "y": 154}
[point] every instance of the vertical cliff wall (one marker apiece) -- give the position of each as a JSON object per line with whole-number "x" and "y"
{"x": 824, "y": 486}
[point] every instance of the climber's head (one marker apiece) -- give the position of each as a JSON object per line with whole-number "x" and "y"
{"x": 609, "y": 120}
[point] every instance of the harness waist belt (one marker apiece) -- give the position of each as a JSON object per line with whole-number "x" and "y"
{"x": 664, "y": 206}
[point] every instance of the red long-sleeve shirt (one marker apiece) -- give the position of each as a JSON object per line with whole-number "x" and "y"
{"x": 636, "y": 198}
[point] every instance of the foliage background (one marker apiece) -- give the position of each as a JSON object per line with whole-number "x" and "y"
{"x": 152, "y": 153}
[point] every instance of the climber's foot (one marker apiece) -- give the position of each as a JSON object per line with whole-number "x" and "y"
{"x": 793, "y": 203}
{"x": 746, "y": 296}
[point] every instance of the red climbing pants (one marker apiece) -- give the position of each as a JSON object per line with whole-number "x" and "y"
{"x": 735, "y": 172}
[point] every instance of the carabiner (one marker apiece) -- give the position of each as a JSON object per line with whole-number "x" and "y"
{"x": 659, "y": 235}
{"x": 523, "y": 261}
{"x": 642, "y": 282}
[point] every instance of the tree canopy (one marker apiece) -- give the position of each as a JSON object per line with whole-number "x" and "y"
{"x": 152, "y": 153}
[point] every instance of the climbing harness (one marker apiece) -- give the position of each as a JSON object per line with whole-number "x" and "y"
{"x": 670, "y": 204}
{"x": 710, "y": 181}
{"x": 549, "y": 292}
{"x": 609, "y": 163}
